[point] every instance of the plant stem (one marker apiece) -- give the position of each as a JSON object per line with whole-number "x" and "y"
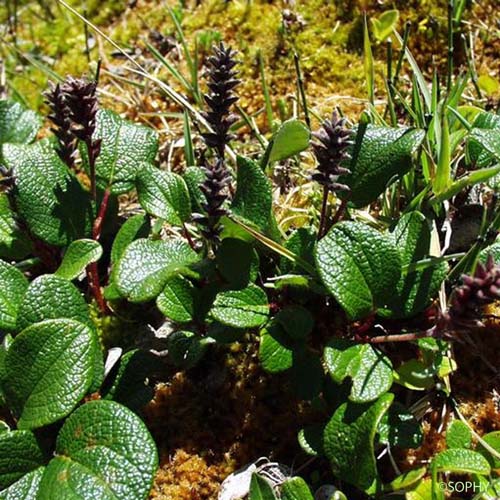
{"x": 97, "y": 227}
{"x": 324, "y": 207}
{"x": 188, "y": 237}
{"x": 402, "y": 337}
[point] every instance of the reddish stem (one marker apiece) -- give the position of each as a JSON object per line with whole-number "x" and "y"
{"x": 92, "y": 269}
{"x": 95, "y": 286}
{"x": 324, "y": 206}
{"x": 97, "y": 227}
{"x": 188, "y": 237}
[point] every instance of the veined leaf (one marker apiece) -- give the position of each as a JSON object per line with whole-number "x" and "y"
{"x": 78, "y": 256}
{"x": 146, "y": 265}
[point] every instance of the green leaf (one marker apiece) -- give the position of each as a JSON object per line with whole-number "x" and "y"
{"x": 146, "y": 265}
{"x": 384, "y": 153}
{"x": 104, "y": 451}
{"x": 493, "y": 440}
{"x": 311, "y": 439}
{"x": 78, "y": 256}
{"x": 17, "y": 125}
{"x": 124, "y": 148}
{"x": 291, "y": 138}
{"x": 194, "y": 177}
{"x": 247, "y": 308}
{"x": 13, "y": 286}
{"x": 306, "y": 374}
{"x": 400, "y": 428}
{"x": 488, "y": 84}
{"x": 295, "y": 488}
{"x": 415, "y": 290}
{"x": 415, "y": 375}
{"x": 133, "y": 228}
{"x": 130, "y": 385}
{"x": 56, "y": 360}
{"x": 275, "y": 349}
{"x": 260, "y": 489}
{"x": 52, "y": 297}
{"x": 349, "y": 439}
{"x": 20, "y": 453}
{"x": 369, "y": 369}
{"x": 253, "y": 197}
{"x": 176, "y": 301}
{"x": 185, "y": 348}
{"x": 48, "y": 197}
{"x": 25, "y": 488}
{"x": 460, "y": 460}
{"x": 493, "y": 249}
{"x": 458, "y": 435}
{"x": 163, "y": 194}
{"x": 297, "y": 321}
{"x": 384, "y": 24}
{"x": 359, "y": 266}
{"x": 407, "y": 480}
{"x": 483, "y": 145}
{"x": 238, "y": 262}
{"x": 301, "y": 243}
{"x": 13, "y": 243}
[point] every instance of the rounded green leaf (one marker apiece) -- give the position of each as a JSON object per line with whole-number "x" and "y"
{"x": 461, "y": 460}
{"x": 291, "y": 138}
{"x": 458, "y": 435}
{"x": 49, "y": 198}
{"x": 133, "y": 228}
{"x": 384, "y": 153}
{"x": 253, "y": 198}
{"x": 13, "y": 243}
{"x": 17, "y": 124}
{"x": 163, "y": 194}
{"x": 297, "y": 321}
{"x": 125, "y": 146}
{"x": 176, "y": 301}
{"x": 146, "y": 265}
{"x": 415, "y": 289}
{"x": 260, "y": 489}
{"x": 359, "y": 266}
{"x": 49, "y": 368}
{"x": 13, "y": 286}
{"x": 295, "y": 488}
{"x": 245, "y": 308}
{"x": 238, "y": 262}
{"x": 399, "y": 427}
{"x": 493, "y": 440}
{"x": 369, "y": 369}
{"x": 78, "y": 256}
{"x": 20, "y": 453}
{"x": 104, "y": 452}
{"x": 275, "y": 349}
{"x": 349, "y": 439}
{"x": 25, "y": 488}
{"x": 407, "y": 480}
{"x": 52, "y": 297}
{"x": 185, "y": 348}
{"x": 311, "y": 439}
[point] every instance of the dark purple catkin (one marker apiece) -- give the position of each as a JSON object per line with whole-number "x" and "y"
{"x": 330, "y": 147}
{"x": 81, "y": 99}
{"x": 222, "y": 82}
{"x": 477, "y": 290}
{"x": 220, "y": 98}
{"x": 59, "y": 116}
